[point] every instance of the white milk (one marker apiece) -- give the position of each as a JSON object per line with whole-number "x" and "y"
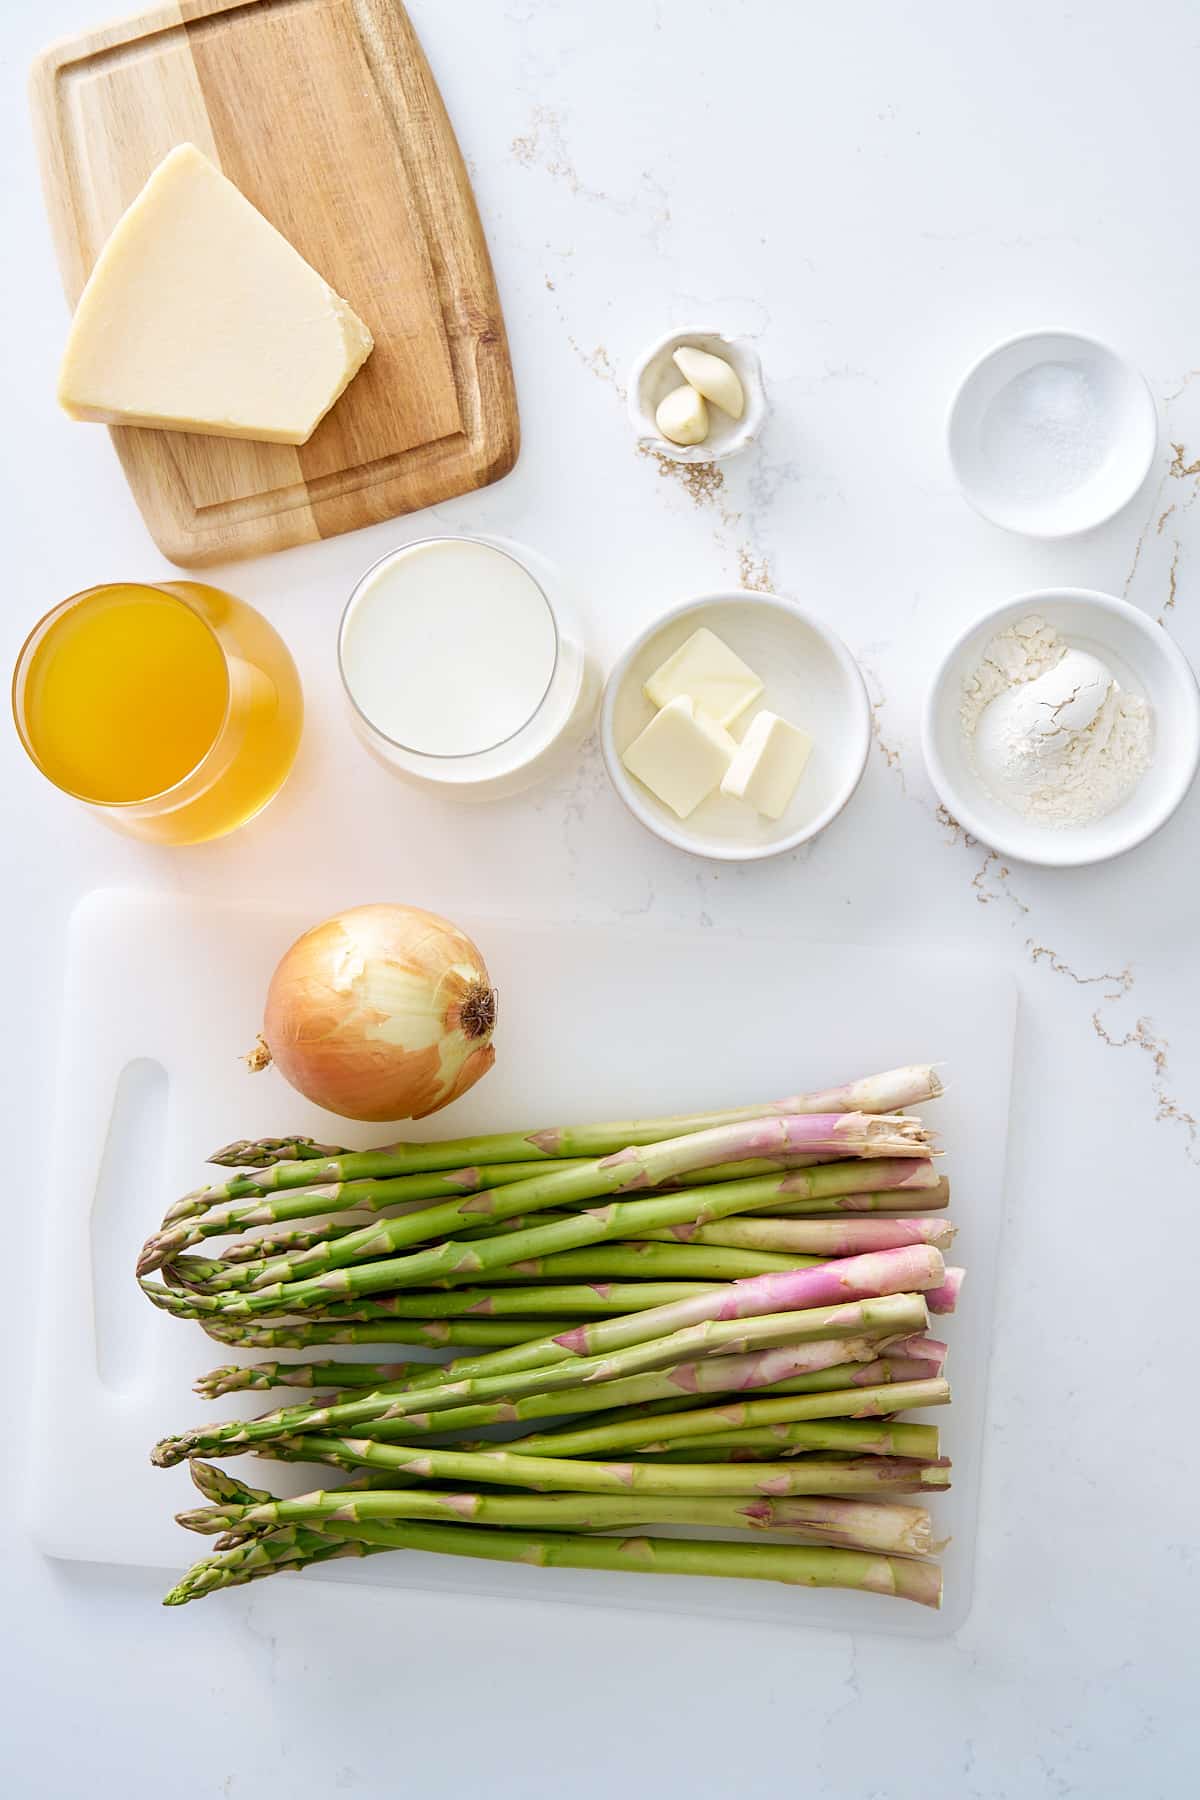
{"x": 448, "y": 647}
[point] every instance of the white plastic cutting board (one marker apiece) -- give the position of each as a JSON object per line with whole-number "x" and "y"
{"x": 163, "y": 996}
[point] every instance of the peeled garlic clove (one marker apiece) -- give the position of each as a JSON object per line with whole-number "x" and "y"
{"x": 713, "y": 377}
{"x": 682, "y": 416}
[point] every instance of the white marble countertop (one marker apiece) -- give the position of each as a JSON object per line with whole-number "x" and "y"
{"x": 876, "y": 193}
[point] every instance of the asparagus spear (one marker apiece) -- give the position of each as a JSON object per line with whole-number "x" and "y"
{"x": 260, "y": 1153}
{"x": 222, "y": 1489}
{"x": 581, "y": 1299}
{"x": 886, "y": 1093}
{"x": 233, "y": 1379}
{"x": 639, "y": 1261}
{"x": 304, "y": 1334}
{"x": 258, "y": 1554}
{"x": 786, "y": 1435}
{"x": 932, "y": 1194}
{"x": 892, "y": 1315}
{"x": 819, "y": 1238}
{"x": 498, "y": 1467}
{"x": 632, "y": 1261}
{"x": 801, "y": 1565}
{"x": 766, "y": 1442}
{"x": 429, "y": 1334}
{"x": 889, "y": 1526}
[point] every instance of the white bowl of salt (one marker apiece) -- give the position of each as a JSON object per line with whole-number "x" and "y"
{"x": 1051, "y": 434}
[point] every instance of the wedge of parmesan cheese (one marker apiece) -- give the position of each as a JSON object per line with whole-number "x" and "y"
{"x": 200, "y": 316}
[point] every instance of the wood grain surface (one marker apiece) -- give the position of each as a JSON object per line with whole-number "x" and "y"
{"x": 325, "y": 114}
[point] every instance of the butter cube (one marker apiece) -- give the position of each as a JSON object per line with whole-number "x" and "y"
{"x": 768, "y": 764}
{"x": 711, "y": 673}
{"x": 680, "y": 756}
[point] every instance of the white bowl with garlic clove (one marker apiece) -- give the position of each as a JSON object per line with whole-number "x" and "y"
{"x": 656, "y": 377}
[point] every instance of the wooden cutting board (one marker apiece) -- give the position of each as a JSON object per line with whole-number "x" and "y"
{"x": 325, "y": 114}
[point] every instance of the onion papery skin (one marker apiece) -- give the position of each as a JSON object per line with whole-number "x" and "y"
{"x": 383, "y": 1012}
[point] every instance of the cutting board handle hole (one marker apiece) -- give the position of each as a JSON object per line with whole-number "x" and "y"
{"x": 127, "y": 1203}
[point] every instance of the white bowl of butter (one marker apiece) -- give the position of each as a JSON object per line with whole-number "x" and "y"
{"x": 784, "y": 725}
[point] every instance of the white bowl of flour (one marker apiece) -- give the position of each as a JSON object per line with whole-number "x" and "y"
{"x": 1063, "y": 728}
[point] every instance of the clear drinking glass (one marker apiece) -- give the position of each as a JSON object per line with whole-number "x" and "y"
{"x": 542, "y": 743}
{"x": 172, "y": 707}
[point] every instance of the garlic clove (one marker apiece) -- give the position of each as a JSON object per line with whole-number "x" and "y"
{"x": 713, "y": 377}
{"x": 683, "y": 417}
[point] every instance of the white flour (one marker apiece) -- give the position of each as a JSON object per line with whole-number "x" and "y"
{"x": 1050, "y": 732}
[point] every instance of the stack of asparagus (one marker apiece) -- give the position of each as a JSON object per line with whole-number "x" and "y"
{"x": 786, "y": 1251}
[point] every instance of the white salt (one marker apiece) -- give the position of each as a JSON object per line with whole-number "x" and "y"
{"x": 1044, "y": 434}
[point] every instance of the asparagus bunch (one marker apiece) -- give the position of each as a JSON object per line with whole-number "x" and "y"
{"x": 627, "y": 1284}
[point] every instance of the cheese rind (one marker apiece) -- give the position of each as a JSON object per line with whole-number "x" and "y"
{"x": 768, "y": 764}
{"x": 717, "y": 679}
{"x": 200, "y": 316}
{"x": 680, "y": 756}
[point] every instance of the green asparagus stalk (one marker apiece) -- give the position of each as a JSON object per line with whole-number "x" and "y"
{"x": 816, "y": 1238}
{"x": 930, "y": 1195}
{"x": 890, "y": 1316}
{"x": 800, "y": 1436}
{"x": 255, "y": 1555}
{"x": 233, "y": 1379}
{"x": 260, "y": 1153}
{"x": 594, "y": 1295}
{"x": 768, "y": 1442}
{"x": 801, "y": 1565}
{"x": 220, "y": 1488}
{"x": 638, "y": 1261}
{"x": 428, "y": 1334}
{"x": 886, "y": 1093}
{"x": 305, "y": 1334}
{"x": 581, "y": 1299}
{"x": 499, "y": 1467}
{"x": 292, "y": 1239}
{"x": 888, "y": 1526}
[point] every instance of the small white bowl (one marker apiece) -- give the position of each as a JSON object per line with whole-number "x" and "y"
{"x": 811, "y": 680}
{"x": 655, "y": 375}
{"x": 1142, "y": 658}
{"x": 1051, "y": 434}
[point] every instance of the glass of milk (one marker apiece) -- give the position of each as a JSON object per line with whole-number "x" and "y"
{"x": 465, "y": 666}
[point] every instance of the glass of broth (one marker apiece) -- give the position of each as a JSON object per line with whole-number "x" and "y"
{"x": 173, "y": 708}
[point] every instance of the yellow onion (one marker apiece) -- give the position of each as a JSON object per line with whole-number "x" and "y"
{"x": 384, "y": 1012}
